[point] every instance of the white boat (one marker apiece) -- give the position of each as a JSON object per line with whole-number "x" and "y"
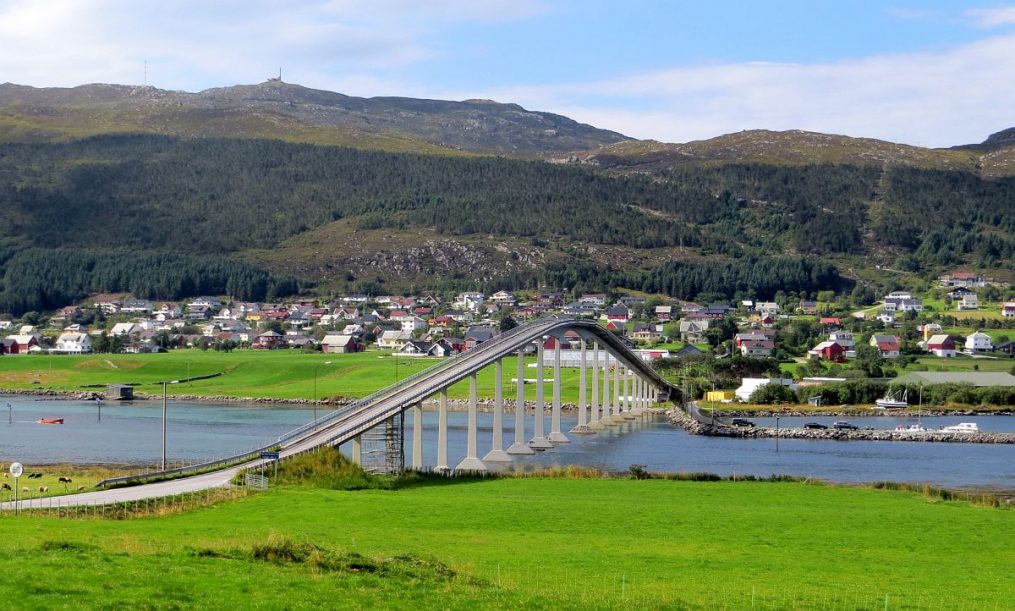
{"x": 891, "y": 400}
{"x": 962, "y": 427}
{"x": 912, "y": 428}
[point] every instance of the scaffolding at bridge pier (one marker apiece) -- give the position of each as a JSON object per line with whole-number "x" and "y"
{"x": 383, "y": 448}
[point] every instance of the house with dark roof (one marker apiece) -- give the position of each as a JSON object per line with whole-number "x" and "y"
{"x": 475, "y": 336}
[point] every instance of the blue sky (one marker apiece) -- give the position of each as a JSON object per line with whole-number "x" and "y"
{"x": 932, "y": 73}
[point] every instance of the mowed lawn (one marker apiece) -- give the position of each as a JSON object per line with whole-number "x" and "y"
{"x": 530, "y": 543}
{"x": 276, "y": 374}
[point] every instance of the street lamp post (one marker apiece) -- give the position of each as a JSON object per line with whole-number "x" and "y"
{"x": 165, "y": 402}
{"x": 317, "y": 369}
{"x": 776, "y": 433}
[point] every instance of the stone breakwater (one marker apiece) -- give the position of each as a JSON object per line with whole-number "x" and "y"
{"x": 692, "y": 426}
{"x": 856, "y": 413}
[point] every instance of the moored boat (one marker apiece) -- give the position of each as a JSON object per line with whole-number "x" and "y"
{"x": 50, "y": 420}
{"x": 962, "y": 427}
{"x": 912, "y": 428}
{"x": 892, "y": 400}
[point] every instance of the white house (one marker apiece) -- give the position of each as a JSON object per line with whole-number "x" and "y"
{"x": 413, "y": 323}
{"x": 73, "y": 343}
{"x": 503, "y": 298}
{"x": 469, "y": 300}
{"x": 979, "y": 342}
{"x": 767, "y": 308}
{"x": 393, "y": 340}
{"x": 1008, "y": 309}
{"x": 886, "y": 316}
{"x": 969, "y": 302}
{"x": 749, "y": 385}
{"x": 137, "y": 306}
{"x": 125, "y": 328}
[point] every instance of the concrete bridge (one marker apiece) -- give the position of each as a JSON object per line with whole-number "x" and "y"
{"x": 615, "y": 385}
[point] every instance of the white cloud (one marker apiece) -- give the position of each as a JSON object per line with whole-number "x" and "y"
{"x": 933, "y": 99}
{"x": 188, "y": 42}
{"x": 992, "y": 17}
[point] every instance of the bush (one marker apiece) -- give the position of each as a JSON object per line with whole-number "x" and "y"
{"x": 773, "y": 392}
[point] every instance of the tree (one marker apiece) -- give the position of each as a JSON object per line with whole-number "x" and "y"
{"x": 773, "y": 392}
{"x": 506, "y": 322}
{"x": 720, "y": 330}
{"x": 869, "y": 360}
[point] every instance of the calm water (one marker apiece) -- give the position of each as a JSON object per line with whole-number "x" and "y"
{"x": 131, "y": 433}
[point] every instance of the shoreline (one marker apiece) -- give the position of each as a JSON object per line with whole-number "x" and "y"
{"x": 684, "y": 420}
{"x": 455, "y": 405}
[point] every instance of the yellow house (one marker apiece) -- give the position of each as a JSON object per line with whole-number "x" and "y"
{"x": 719, "y": 395}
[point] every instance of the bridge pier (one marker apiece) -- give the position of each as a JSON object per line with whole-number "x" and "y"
{"x": 618, "y": 386}
{"x": 637, "y": 409}
{"x": 471, "y": 462}
{"x": 519, "y": 446}
{"x": 556, "y": 435}
{"x": 583, "y": 427}
{"x": 628, "y": 396}
{"x": 607, "y": 417}
{"x": 497, "y": 453}
{"x": 442, "y": 433}
{"x": 357, "y": 450}
{"x": 539, "y": 441}
{"x": 594, "y": 422}
{"x": 417, "y": 436}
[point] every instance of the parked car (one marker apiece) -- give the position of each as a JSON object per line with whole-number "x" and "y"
{"x": 741, "y": 422}
{"x": 844, "y": 426}
{"x": 815, "y": 425}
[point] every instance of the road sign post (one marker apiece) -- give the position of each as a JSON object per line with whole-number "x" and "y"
{"x": 272, "y": 456}
{"x": 16, "y": 471}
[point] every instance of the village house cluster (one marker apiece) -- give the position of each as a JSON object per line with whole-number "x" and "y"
{"x": 412, "y": 325}
{"x": 441, "y": 326}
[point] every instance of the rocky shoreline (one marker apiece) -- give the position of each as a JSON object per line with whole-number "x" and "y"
{"x": 682, "y": 419}
{"x": 857, "y": 413}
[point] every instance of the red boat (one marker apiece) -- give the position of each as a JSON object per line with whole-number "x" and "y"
{"x": 50, "y": 420}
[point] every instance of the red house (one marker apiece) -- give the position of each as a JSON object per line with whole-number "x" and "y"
{"x": 269, "y": 341}
{"x": 829, "y": 351}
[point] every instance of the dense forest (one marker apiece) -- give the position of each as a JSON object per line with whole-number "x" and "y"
{"x": 163, "y": 217}
{"x": 40, "y": 279}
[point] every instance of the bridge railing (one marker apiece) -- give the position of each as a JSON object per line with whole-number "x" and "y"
{"x": 495, "y": 344}
{"x": 410, "y": 380}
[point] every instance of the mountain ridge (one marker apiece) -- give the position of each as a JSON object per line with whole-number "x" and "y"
{"x": 480, "y": 126}
{"x": 279, "y": 110}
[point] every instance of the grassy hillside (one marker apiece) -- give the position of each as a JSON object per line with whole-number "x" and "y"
{"x": 275, "y": 374}
{"x": 527, "y": 543}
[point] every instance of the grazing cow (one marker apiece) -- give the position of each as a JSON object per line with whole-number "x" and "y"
{"x": 34, "y": 475}
{"x": 43, "y": 488}
{"x": 26, "y": 489}
{"x": 5, "y": 486}
{"x": 80, "y": 488}
{"x": 64, "y": 480}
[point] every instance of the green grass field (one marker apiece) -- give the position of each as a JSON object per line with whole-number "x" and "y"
{"x": 526, "y": 543}
{"x": 276, "y": 374}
